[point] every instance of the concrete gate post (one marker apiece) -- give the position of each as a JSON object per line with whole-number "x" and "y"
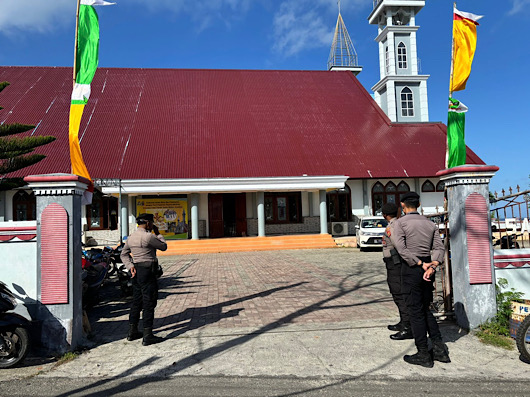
{"x": 471, "y": 249}
{"x": 59, "y": 288}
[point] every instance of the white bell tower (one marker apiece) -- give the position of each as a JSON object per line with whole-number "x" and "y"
{"x": 401, "y": 91}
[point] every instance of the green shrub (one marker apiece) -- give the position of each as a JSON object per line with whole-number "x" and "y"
{"x": 496, "y": 331}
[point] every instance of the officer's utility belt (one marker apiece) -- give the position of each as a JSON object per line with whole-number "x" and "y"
{"x": 147, "y": 264}
{"x": 395, "y": 257}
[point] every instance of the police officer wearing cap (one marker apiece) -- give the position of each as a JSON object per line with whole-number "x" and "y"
{"x": 143, "y": 265}
{"x": 418, "y": 241}
{"x": 393, "y": 270}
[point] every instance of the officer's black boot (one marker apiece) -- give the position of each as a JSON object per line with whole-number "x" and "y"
{"x": 405, "y": 333}
{"x": 149, "y": 338}
{"x": 440, "y": 352}
{"x": 422, "y": 357}
{"x": 396, "y": 327}
{"x": 133, "y": 332}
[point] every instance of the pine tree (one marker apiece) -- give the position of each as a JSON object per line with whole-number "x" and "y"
{"x": 15, "y": 151}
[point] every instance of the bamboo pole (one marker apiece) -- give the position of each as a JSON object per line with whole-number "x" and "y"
{"x": 75, "y": 45}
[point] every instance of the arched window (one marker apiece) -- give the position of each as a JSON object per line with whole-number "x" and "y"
{"x": 390, "y": 193}
{"x": 407, "y": 102}
{"x": 440, "y": 186}
{"x": 427, "y": 186}
{"x": 24, "y": 206}
{"x": 402, "y": 56}
{"x": 402, "y": 188}
{"x": 339, "y": 205}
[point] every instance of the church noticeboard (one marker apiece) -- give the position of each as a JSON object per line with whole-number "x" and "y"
{"x": 170, "y": 216}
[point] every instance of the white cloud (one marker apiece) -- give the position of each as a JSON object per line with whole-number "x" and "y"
{"x": 518, "y": 6}
{"x": 34, "y": 15}
{"x": 300, "y": 25}
{"x": 46, "y": 15}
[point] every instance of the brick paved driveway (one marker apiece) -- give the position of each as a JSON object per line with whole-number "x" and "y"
{"x": 256, "y": 290}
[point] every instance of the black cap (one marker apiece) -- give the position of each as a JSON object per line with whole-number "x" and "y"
{"x": 144, "y": 218}
{"x": 389, "y": 209}
{"x": 410, "y": 196}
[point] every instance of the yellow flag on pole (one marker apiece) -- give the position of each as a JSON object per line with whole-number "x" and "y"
{"x": 464, "y": 45}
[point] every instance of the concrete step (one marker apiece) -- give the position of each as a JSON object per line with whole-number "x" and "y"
{"x": 242, "y": 244}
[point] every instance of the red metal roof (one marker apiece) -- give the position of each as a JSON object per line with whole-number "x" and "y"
{"x": 167, "y": 123}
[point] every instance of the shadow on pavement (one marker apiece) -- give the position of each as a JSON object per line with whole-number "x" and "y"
{"x": 186, "y": 362}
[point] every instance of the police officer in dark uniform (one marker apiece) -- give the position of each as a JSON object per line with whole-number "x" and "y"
{"x": 143, "y": 265}
{"x": 418, "y": 241}
{"x": 393, "y": 270}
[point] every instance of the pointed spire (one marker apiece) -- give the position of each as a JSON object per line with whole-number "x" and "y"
{"x": 342, "y": 55}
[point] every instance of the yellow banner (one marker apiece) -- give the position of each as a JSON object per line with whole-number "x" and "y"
{"x": 76, "y": 157}
{"x": 465, "y": 43}
{"x": 170, "y": 215}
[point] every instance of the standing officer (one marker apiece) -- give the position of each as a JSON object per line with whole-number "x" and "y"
{"x": 143, "y": 265}
{"x": 393, "y": 270}
{"x": 416, "y": 238}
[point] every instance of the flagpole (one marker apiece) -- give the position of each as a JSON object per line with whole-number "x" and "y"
{"x": 75, "y": 46}
{"x": 450, "y": 81}
{"x": 452, "y": 56}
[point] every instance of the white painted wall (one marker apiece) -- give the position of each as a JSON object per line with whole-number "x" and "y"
{"x": 357, "y": 205}
{"x": 203, "y": 210}
{"x": 305, "y": 204}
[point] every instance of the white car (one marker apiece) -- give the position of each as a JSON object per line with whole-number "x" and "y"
{"x": 370, "y": 231}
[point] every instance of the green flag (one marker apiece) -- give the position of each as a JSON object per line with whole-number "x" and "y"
{"x": 87, "y": 49}
{"x": 456, "y": 144}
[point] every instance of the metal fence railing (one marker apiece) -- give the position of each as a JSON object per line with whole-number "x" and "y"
{"x": 443, "y": 292}
{"x": 510, "y": 214}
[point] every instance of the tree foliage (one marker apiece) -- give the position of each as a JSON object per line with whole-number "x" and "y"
{"x": 16, "y": 152}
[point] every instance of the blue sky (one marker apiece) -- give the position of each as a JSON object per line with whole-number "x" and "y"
{"x": 297, "y": 35}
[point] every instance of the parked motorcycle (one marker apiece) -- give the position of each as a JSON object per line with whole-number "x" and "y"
{"x": 14, "y": 336}
{"x": 508, "y": 241}
{"x": 125, "y": 279}
{"x": 93, "y": 276}
{"x": 112, "y": 257}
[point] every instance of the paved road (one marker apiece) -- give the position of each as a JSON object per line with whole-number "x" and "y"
{"x": 200, "y": 386}
{"x": 314, "y": 316}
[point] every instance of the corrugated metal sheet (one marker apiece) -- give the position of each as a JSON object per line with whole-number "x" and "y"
{"x": 160, "y": 123}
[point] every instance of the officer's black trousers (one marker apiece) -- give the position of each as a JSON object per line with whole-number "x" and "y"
{"x": 145, "y": 295}
{"x": 393, "y": 273}
{"x": 418, "y": 297}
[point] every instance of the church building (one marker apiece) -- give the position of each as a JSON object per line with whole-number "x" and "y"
{"x": 231, "y": 153}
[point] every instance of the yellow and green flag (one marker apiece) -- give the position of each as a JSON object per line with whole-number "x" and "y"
{"x": 87, "y": 48}
{"x": 464, "y": 45}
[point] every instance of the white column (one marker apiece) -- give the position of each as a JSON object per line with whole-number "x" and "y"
{"x": 377, "y": 97}
{"x": 391, "y": 54}
{"x": 194, "y": 216}
{"x": 305, "y": 204}
{"x": 366, "y": 200}
{"x": 382, "y": 60}
{"x": 391, "y": 101}
{"x": 424, "y": 101}
{"x": 323, "y": 212}
{"x": 413, "y": 53}
{"x": 261, "y": 213}
{"x": 124, "y": 216}
{"x": 203, "y": 212}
